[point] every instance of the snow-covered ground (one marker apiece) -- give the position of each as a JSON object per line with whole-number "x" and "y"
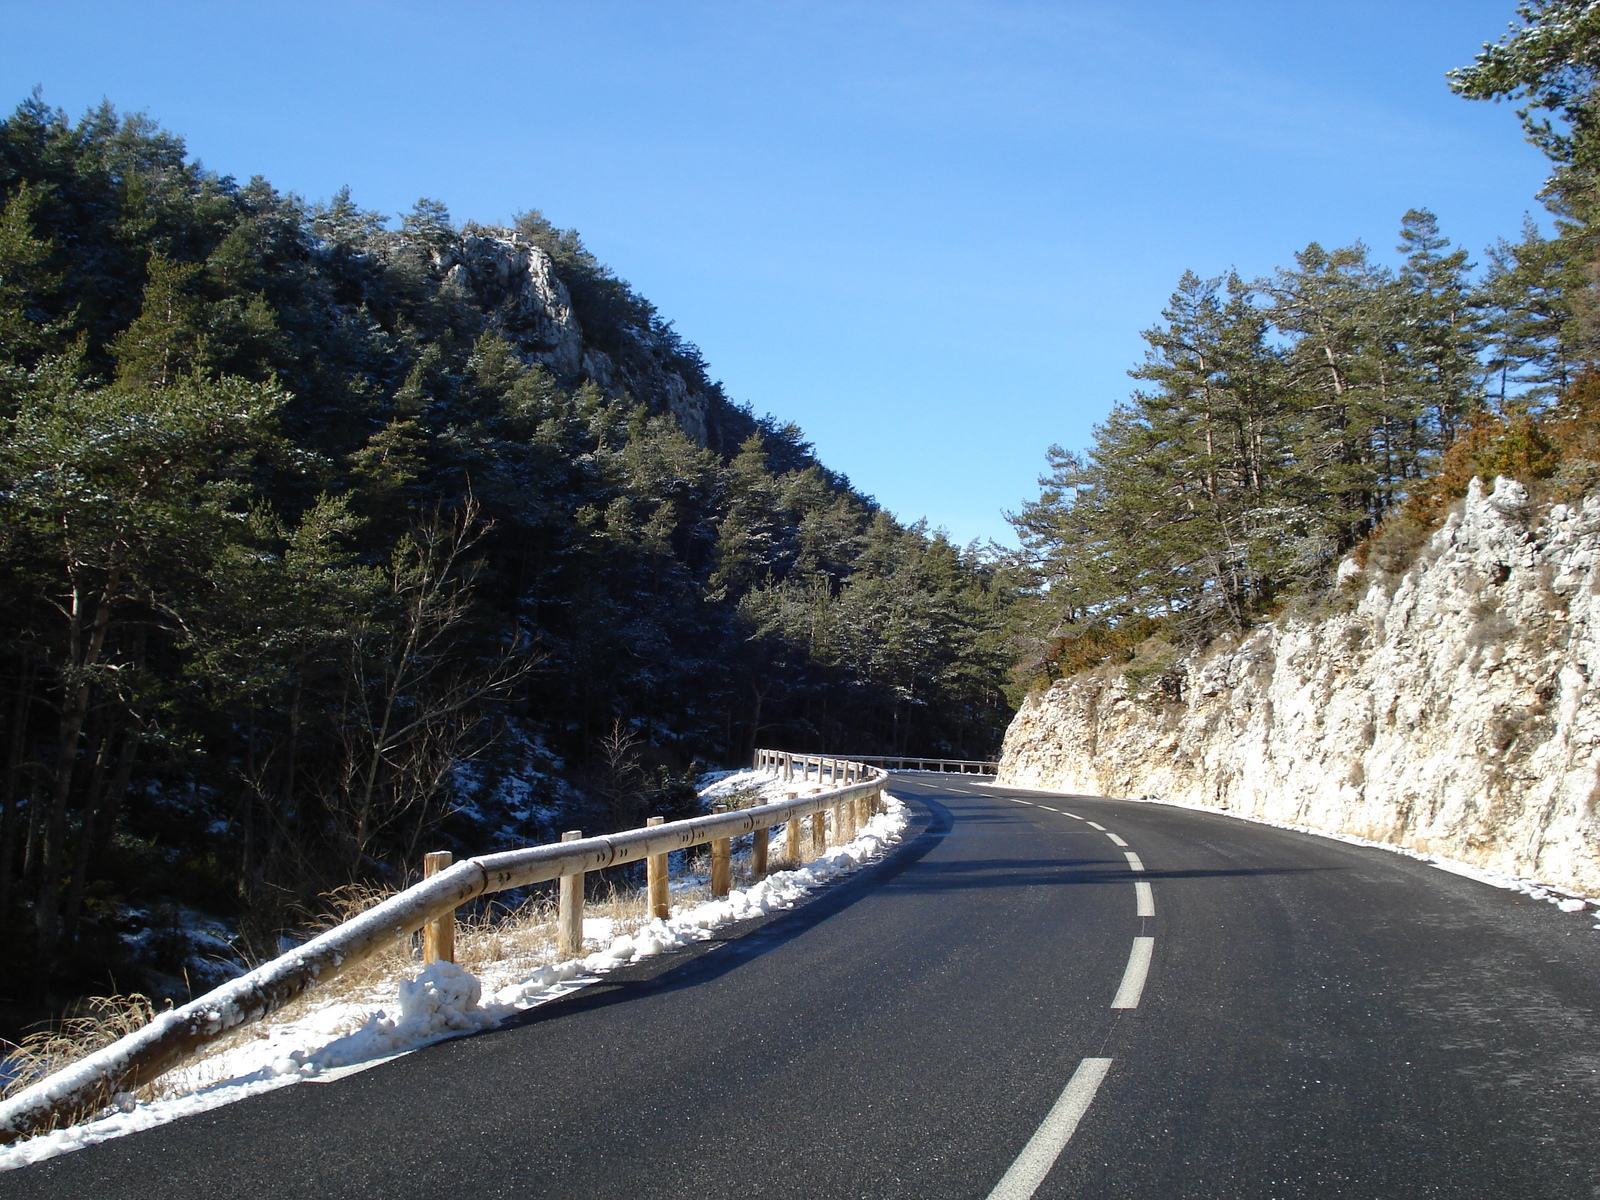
{"x": 345, "y": 1034}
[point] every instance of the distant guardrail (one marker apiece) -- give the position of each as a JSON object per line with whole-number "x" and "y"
{"x": 802, "y": 766}
{"x": 779, "y": 760}
{"x": 855, "y": 793}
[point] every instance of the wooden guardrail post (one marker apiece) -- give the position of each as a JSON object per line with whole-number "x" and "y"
{"x": 758, "y": 853}
{"x": 721, "y": 852}
{"x": 142, "y": 1056}
{"x": 569, "y": 917}
{"x": 439, "y": 935}
{"x": 656, "y": 880}
{"x": 791, "y": 837}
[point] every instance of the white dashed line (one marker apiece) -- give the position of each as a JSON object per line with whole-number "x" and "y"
{"x": 1047, "y": 1142}
{"x": 1144, "y": 898}
{"x": 1040, "y": 1154}
{"x": 1133, "y": 978}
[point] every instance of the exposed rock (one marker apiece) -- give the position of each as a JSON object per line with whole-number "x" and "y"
{"x": 517, "y": 286}
{"x": 1450, "y": 710}
{"x": 517, "y": 283}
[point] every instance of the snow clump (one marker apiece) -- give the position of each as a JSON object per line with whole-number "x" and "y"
{"x": 444, "y": 1001}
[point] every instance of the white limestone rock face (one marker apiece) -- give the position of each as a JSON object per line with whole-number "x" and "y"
{"x": 1451, "y": 710}
{"x": 516, "y": 285}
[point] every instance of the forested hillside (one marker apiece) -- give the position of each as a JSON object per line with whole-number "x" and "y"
{"x": 1341, "y": 404}
{"x": 325, "y": 542}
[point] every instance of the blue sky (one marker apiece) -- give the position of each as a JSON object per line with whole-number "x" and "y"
{"x": 929, "y": 233}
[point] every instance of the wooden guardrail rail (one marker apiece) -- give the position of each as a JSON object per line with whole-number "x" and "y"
{"x": 856, "y": 789}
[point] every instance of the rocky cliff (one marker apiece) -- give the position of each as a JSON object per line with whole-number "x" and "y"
{"x": 1452, "y": 709}
{"x": 520, "y": 291}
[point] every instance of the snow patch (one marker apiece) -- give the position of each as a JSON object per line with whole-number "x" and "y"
{"x": 444, "y": 1001}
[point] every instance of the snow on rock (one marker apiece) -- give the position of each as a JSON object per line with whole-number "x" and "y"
{"x": 520, "y": 291}
{"x": 717, "y": 787}
{"x": 1454, "y": 710}
{"x": 442, "y": 1000}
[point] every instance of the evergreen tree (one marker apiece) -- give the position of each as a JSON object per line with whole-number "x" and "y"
{"x": 1440, "y": 337}
{"x": 296, "y": 525}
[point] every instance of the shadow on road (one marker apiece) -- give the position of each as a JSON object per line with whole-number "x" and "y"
{"x": 1012, "y": 873}
{"x": 747, "y": 940}
{"x": 741, "y": 942}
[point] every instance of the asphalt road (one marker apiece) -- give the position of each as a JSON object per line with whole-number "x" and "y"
{"x": 1317, "y": 1020}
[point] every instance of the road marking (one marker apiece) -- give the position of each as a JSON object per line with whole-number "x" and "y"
{"x": 1097, "y": 825}
{"x": 1117, "y": 840}
{"x": 1145, "y": 899}
{"x": 1074, "y": 816}
{"x": 1133, "y": 861}
{"x": 1133, "y": 978}
{"x": 1047, "y": 808}
{"x": 1052, "y": 1136}
{"x": 1029, "y": 803}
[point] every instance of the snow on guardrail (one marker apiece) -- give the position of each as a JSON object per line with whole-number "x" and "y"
{"x": 147, "y": 1053}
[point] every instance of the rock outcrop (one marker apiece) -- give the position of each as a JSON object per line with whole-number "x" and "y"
{"x": 519, "y": 290}
{"x": 1452, "y": 710}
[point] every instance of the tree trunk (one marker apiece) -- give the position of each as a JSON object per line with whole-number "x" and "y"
{"x": 47, "y": 914}
{"x": 98, "y": 826}
{"x": 20, "y": 713}
{"x": 84, "y": 653}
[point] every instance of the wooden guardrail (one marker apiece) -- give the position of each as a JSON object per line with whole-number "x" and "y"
{"x": 176, "y": 1035}
{"x": 789, "y": 764}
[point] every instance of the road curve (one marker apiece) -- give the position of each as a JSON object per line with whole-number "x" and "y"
{"x": 998, "y": 1009}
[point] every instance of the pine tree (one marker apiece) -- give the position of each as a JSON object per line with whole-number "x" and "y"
{"x": 24, "y": 330}
{"x": 1525, "y": 296}
{"x": 1440, "y": 338}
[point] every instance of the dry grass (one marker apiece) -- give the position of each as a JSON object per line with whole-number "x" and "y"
{"x": 94, "y": 1023}
{"x": 513, "y": 940}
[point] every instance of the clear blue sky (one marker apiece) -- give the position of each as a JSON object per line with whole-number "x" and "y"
{"x": 929, "y": 232}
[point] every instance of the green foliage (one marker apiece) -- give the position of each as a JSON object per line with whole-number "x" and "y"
{"x": 1281, "y": 422}
{"x": 1550, "y": 64}
{"x": 22, "y": 259}
{"x": 1336, "y": 406}
{"x": 303, "y": 548}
